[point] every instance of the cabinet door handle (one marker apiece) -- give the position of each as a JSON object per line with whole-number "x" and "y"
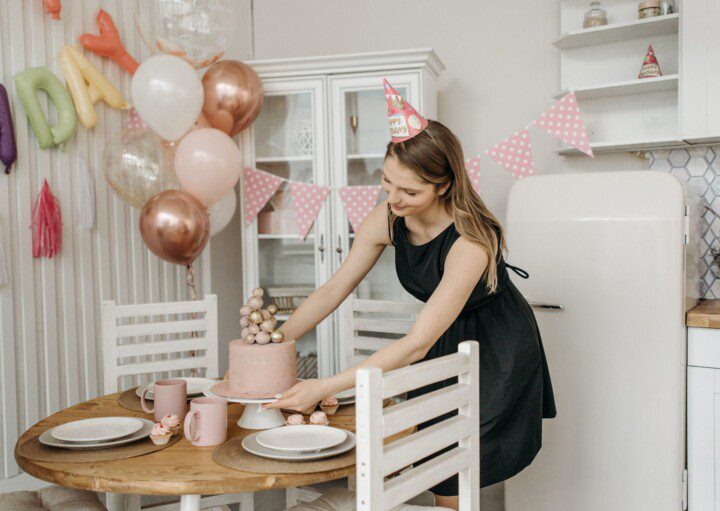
{"x": 339, "y": 249}
{"x": 321, "y": 248}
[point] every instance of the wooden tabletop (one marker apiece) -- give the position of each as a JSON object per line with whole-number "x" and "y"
{"x": 177, "y": 470}
{"x": 704, "y": 315}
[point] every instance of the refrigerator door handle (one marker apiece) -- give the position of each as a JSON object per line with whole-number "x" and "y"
{"x": 538, "y": 305}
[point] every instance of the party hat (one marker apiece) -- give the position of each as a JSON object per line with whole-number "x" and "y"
{"x": 650, "y": 67}
{"x": 404, "y": 120}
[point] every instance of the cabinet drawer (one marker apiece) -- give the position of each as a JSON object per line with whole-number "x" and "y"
{"x": 704, "y": 347}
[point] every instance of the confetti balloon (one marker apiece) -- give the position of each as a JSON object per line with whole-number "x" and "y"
{"x": 197, "y": 31}
{"x": 138, "y": 166}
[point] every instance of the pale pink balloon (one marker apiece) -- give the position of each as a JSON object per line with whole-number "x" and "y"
{"x": 207, "y": 164}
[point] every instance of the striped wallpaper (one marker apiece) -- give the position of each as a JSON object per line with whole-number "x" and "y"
{"x": 50, "y": 312}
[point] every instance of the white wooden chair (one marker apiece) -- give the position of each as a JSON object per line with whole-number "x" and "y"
{"x": 367, "y": 326}
{"x": 154, "y": 338}
{"x": 375, "y": 423}
{"x": 370, "y": 325}
{"x": 377, "y": 460}
{"x": 150, "y": 341}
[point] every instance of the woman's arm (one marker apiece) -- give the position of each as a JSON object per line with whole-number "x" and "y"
{"x": 370, "y": 241}
{"x": 465, "y": 264}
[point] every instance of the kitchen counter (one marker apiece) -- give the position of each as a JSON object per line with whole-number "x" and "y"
{"x": 704, "y": 315}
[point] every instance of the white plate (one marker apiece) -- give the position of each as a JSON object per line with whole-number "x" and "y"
{"x": 251, "y": 445}
{"x": 195, "y": 387}
{"x": 46, "y": 438}
{"x": 346, "y": 394}
{"x": 101, "y": 429}
{"x": 303, "y": 438}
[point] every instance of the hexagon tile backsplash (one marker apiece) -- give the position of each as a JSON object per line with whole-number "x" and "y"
{"x": 699, "y": 169}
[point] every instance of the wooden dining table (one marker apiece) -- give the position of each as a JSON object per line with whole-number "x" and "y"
{"x": 180, "y": 470}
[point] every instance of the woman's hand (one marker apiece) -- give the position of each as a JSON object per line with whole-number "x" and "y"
{"x": 304, "y": 394}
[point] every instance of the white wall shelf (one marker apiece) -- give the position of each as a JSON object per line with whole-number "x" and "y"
{"x": 601, "y": 65}
{"x": 624, "y": 88}
{"x": 617, "y": 32}
{"x": 625, "y": 145}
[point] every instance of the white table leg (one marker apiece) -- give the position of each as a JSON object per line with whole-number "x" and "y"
{"x": 132, "y": 502}
{"x": 115, "y": 501}
{"x": 291, "y": 497}
{"x": 190, "y": 503}
{"x": 247, "y": 502}
{"x": 122, "y": 502}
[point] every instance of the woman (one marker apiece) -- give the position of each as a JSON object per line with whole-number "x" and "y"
{"x": 448, "y": 253}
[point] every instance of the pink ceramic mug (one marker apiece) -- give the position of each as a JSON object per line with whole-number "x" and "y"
{"x": 169, "y": 397}
{"x": 206, "y": 423}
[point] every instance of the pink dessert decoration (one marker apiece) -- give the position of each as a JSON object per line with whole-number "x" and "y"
{"x": 329, "y": 401}
{"x": 295, "y": 420}
{"x": 319, "y": 419}
{"x": 329, "y": 405}
{"x": 170, "y": 421}
{"x": 160, "y": 434}
{"x": 160, "y": 429}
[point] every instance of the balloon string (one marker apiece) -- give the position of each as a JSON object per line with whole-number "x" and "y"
{"x": 190, "y": 279}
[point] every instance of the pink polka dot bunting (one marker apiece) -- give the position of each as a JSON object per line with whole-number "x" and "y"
{"x": 307, "y": 198}
{"x": 259, "y": 187}
{"x": 358, "y": 202}
{"x": 564, "y": 121}
{"x": 472, "y": 165}
{"x": 134, "y": 121}
{"x": 515, "y": 154}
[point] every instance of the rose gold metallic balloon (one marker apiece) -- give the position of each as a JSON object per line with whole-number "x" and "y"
{"x": 175, "y": 226}
{"x": 233, "y": 96}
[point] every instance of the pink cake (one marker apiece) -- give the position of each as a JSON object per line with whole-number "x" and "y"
{"x": 259, "y": 370}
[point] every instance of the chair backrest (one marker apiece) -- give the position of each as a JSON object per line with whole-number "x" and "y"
{"x": 370, "y": 325}
{"x": 374, "y": 423}
{"x": 158, "y": 338}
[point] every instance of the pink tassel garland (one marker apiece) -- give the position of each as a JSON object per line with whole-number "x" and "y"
{"x": 46, "y": 224}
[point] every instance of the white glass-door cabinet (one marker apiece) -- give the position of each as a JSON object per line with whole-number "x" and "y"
{"x": 324, "y": 120}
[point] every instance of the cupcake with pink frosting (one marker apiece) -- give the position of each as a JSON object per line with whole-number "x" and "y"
{"x": 319, "y": 419}
{"x": 160, "y": 434}
{"x": 295, "y": 419}
{"x": 172, "y": 422}
{"x": 329, "y": 405}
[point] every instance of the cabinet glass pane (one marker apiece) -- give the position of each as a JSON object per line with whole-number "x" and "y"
{"x": 284, "y": 128}
{"x": 366, "y": 138}
{"x": 284, "y": 137}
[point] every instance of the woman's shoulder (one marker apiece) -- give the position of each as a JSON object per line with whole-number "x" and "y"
{"x": 374, "y": 228}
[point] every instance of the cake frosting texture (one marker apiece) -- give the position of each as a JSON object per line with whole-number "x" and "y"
{"x": 262, "y": 370}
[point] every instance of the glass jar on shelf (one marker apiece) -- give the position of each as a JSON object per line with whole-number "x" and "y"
{"x": 649, "y": 9}
{"x": 595, "y": 17}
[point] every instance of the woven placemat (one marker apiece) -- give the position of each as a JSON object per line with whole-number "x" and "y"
{"x": 130, "y": 400}
{"x": 231, "y": 454}
{"x": 34, "y": 450}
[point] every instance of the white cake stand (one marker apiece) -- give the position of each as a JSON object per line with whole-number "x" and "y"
{"x": 255, "y": 416}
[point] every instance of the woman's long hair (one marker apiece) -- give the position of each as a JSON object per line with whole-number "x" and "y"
{"x": 436, "y": 155}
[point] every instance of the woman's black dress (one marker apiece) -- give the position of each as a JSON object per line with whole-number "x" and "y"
{"x": 515, "y": 389}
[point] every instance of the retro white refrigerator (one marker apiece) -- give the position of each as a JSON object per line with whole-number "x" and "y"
{"x": 606, "y": 257}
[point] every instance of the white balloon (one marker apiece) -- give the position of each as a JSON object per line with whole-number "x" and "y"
{"x": 222, "y": 212}
{"x": 168, "y": 95}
